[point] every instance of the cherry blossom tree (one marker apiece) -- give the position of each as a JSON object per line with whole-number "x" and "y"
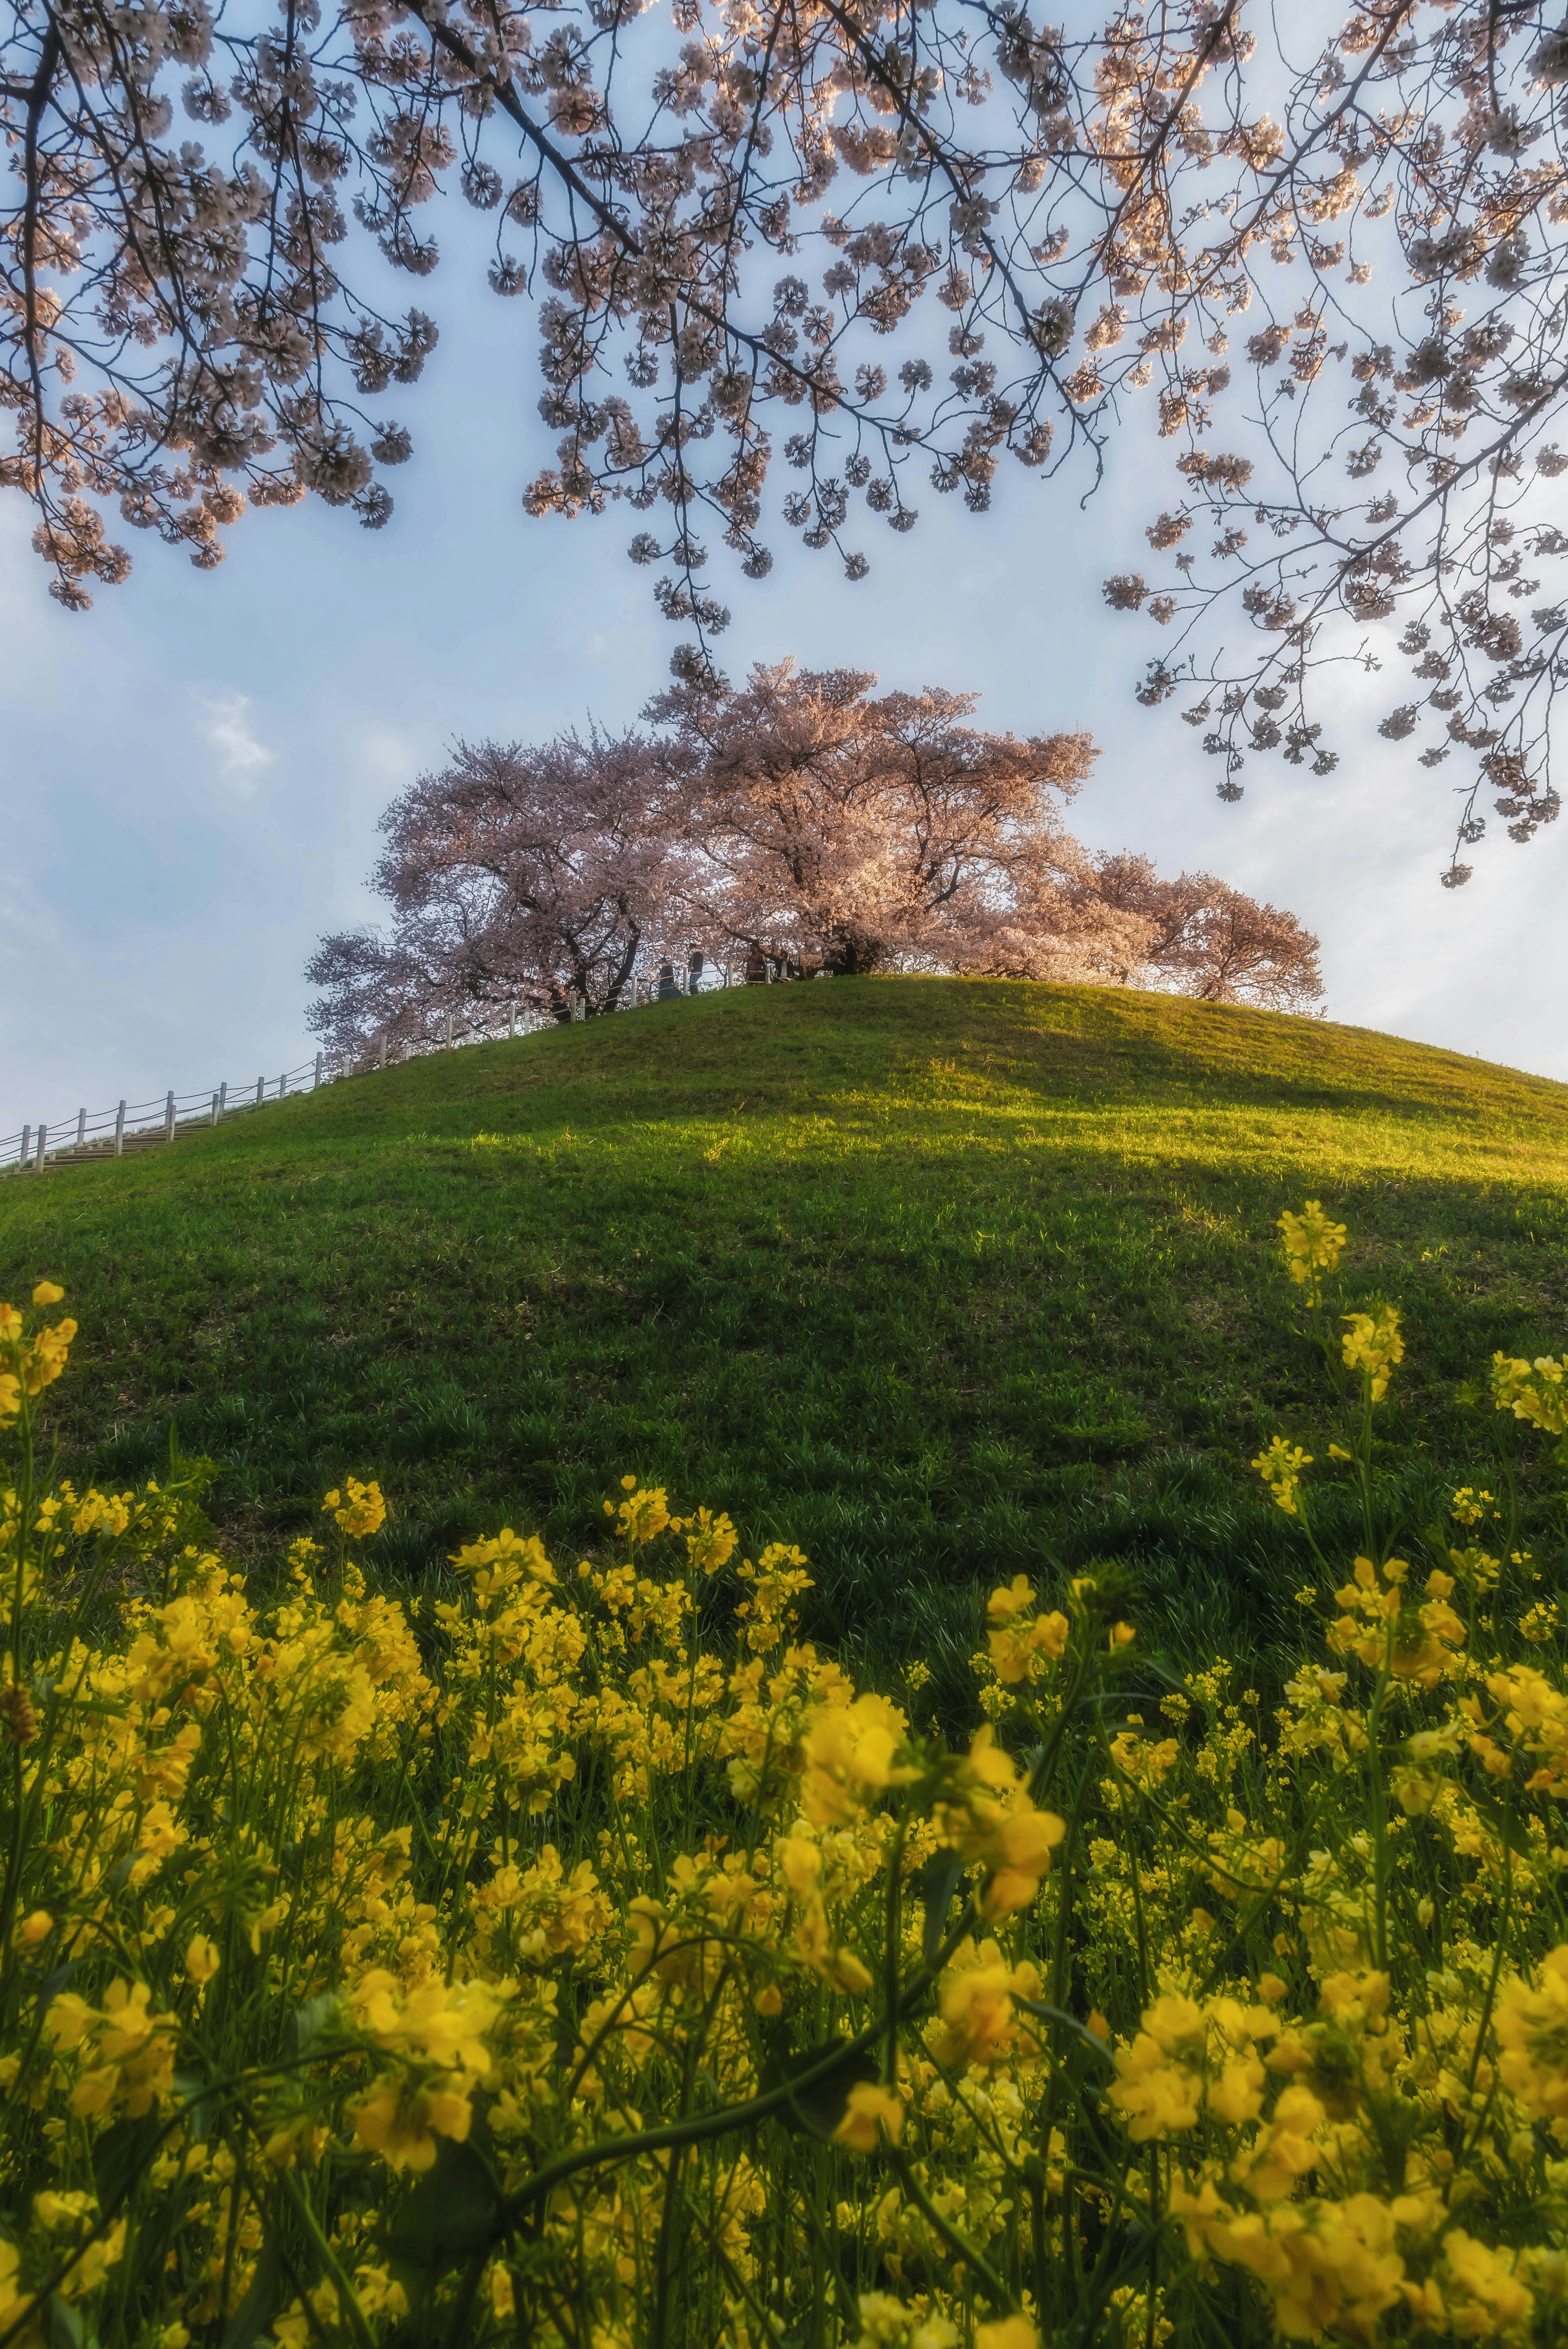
{"x": 894, "y": 245}
{"x": 800, "y": 821}
{"x": 845, "y": 832}
{"x": 521, "y": 880}
{"x": 1206, "y": 938}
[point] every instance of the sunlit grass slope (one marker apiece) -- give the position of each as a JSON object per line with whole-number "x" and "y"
{"x": 927, "y": 1276}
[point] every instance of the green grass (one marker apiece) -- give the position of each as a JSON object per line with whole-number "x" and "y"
{"x": 932, "y": 1276}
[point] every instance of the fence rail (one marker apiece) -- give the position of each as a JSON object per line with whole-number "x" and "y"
{"x": 80, "y": 1136}
{"x": 97, "y": 1134}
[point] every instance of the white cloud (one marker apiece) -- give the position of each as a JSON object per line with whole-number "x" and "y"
{"x": 223, "y": 722}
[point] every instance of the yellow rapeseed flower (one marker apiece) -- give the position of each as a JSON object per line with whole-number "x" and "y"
{"x": 296, "y": 2141}
{"x": 849, "y": 1754}
{"x": 1009, "y": 2333}
{"x": 1536, "y": 1391}
{"x": 57, "y": 2211}
{"x": 1019, "y": 1853}
{"x": 645, "y": 1513}
{"x": 445, "y": 2023}
{"x": 980, "y": 2023}
{"x": 1483, "y": 2295}
{"x": 13, "y": 2302}
{"x": 1532, "y": 2032}
{"x": 41, "y": 1362}
{"x": 711, "y": 1541}
{"x": 869, "y": 2108}
{"x": 504, "y": 1559}
{"x": 1021, "y": 1649}
{"x": 1313, "y": 1243}
{"x": 361, "y": 1513}
{"x": 402, "y": 2124}
{"x": 1372, "y": 1345}
{"x": 1280, "y": 1467}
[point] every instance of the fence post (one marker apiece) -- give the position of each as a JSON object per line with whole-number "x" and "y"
{"x": 27, "y": 1145}
{"x": 223, "y": 1097}
{"x": 213, "y": 1119}
{"x": 382, "y": 1063}
{"x": 168, "y": 1118}
{"x": 119, "y": 1131}
{"x": 449, "y": 1032}
{"x": 317, "y": 1071}
{"x": 282, "y": 1084}
{"x": 511, "y": 1020}
{"x": 81, "y": 1127}
{"x": 38, "y": 1161}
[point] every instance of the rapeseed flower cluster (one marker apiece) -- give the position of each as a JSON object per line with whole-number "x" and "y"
{"x": 1372, "y": 1344}
{"x": 35, "y": 1357}
{"x": 1536, "y": 1391}
{"x": 1312, "y": 1244}
{"x": 1280, "y": 1467}
{"x": 574, "y": 1955}
{"x": 357, "y": 1511}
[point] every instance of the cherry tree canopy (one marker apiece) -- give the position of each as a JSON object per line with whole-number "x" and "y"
{"x": 801, "y": 823}
{"x": 844, "y": 832}
{"x": 1206, "y": 937}
{"x": 519, "y": 879}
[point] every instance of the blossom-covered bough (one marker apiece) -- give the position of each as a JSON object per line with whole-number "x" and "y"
{"x": 904, "y": 245}
{"x": 578, "y": 1958}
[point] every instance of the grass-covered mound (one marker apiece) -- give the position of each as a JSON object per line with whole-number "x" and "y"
{"x": 921, "y": 1274}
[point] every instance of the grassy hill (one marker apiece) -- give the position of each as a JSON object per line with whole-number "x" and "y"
{"x": 926, "y": 1275}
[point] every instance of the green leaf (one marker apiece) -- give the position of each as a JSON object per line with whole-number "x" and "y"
{"x": 451, "y": 2214}
{"x": 1509, "y": 1830}
{"x": 307, "y": 2023}
{"x": 65, "y": 2324}
{"x": 196, "y": 2094}
{"x": 939, "y": 1880}
{"x": 260, "y": 2305}
{"x": 120, "y": 2156}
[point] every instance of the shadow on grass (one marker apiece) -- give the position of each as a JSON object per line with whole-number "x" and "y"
{"x": 944, "y": 1283}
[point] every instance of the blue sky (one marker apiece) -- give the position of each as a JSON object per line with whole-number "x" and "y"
{"x": 193, "y": 769}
